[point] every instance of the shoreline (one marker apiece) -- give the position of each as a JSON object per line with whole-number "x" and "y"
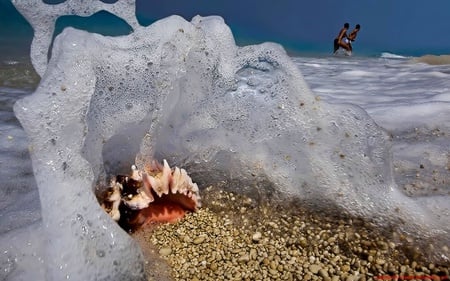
{"x": 235, "y": 238}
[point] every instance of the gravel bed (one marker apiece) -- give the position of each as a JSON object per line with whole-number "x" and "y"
{"x": 235, "y": 238}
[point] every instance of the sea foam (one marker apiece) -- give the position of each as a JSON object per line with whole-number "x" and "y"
{"x": 184, "y": 91}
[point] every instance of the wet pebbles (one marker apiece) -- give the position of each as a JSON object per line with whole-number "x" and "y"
{"x": 235, "y": 238}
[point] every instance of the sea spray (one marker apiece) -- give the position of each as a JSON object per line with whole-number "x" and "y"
{"x": 183, "y": 91}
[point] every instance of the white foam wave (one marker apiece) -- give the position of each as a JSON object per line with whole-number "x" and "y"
{"x": 11, "y": 62}
{"x": 202, "y": 91}
{"x": 387, "y": 55}
{"x": 357, "y": 73}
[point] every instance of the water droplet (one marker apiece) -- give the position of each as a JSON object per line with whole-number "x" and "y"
{"x": 100, "y": 253}
{"x": 85, "y": 230}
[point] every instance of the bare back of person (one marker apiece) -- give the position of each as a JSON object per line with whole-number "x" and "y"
{"x": 342, "y": 39}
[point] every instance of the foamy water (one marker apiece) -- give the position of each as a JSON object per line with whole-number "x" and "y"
{"x": 409, "y": 100}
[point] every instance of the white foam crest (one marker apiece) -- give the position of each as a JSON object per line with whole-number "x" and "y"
{"x": 313, "y": 65}
{"x": 43, "y": 16}
{"x": 356, "y": 73}
{"x": 10, "y": 62}
{"x": 438, "y": 74}
{"x": 445, "y": 97}
{"x": 407, "y": 116}
{"x": 387, "y": 55}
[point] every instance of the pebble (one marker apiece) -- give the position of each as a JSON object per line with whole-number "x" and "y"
{"x": 244, "y": 258}
{"x": 323, "y": 273}
{"x": 213, "y": 267}
{"x": 199, "y": 240}
{"x": 314, "y": 268}
{"x": 165, "y": 251}
{"x": 345, "y": 268}
{"x": 256, "y": 236}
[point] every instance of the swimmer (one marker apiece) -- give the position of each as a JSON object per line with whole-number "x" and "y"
{"x": 352, "y": 36}
{"x": 342, "y": 39}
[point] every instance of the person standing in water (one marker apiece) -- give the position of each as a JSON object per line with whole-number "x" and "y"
{"x": 352, "y": 36}
{"x": 342, "y": 39}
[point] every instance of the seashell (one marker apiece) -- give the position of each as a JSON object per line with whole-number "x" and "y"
{"x": 157, "y": 193}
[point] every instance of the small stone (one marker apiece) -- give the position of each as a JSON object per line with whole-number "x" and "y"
{"x": 345, "y": 268}
{"x": 383, "y": 245}
{"x": 336, "y": 250}
{"x": 199, "y": 240}
{"x": 314, "y": 268}
{"x": 256, "y": 236}
{"x": 253, "y": 254}
{"x": 165, "y": 251}
{"x": 274, "y": 225}
{"x": 402, "y": 269}
{"x": 213, "y": 266}
{"x": 350, "y": 278}
{"x": 323, "y": 273}
{"x": 280, "y": 268}
{"x": 273, "y": 265}
{"x": 186, "y": 239}
{"x": 335, "y": 278}
{"x": 391, "y": 268}
{"x": 331, "y": 240}
{"x": 244, "y": 258}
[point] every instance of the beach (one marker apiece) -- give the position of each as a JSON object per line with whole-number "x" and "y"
{"x": 421, "y": 175}
{"x": 235, "y": 237}
{"x": 309, "y": 166}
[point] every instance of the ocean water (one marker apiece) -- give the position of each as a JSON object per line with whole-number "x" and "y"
{"x": 410, "y": 100}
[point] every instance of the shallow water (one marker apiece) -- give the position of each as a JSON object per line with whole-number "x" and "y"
{"x": 409, "y": 100}
{"x": 19, "y": 198}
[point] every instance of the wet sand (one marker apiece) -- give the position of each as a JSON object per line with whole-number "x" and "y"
{"x": 433, "y": 59}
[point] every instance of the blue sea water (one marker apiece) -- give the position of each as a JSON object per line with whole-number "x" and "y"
{"x": 16, "y": 33}
{"x": 409, "y": 99}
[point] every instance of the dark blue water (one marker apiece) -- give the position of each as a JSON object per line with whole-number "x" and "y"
{"x": 252, "y": 26}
